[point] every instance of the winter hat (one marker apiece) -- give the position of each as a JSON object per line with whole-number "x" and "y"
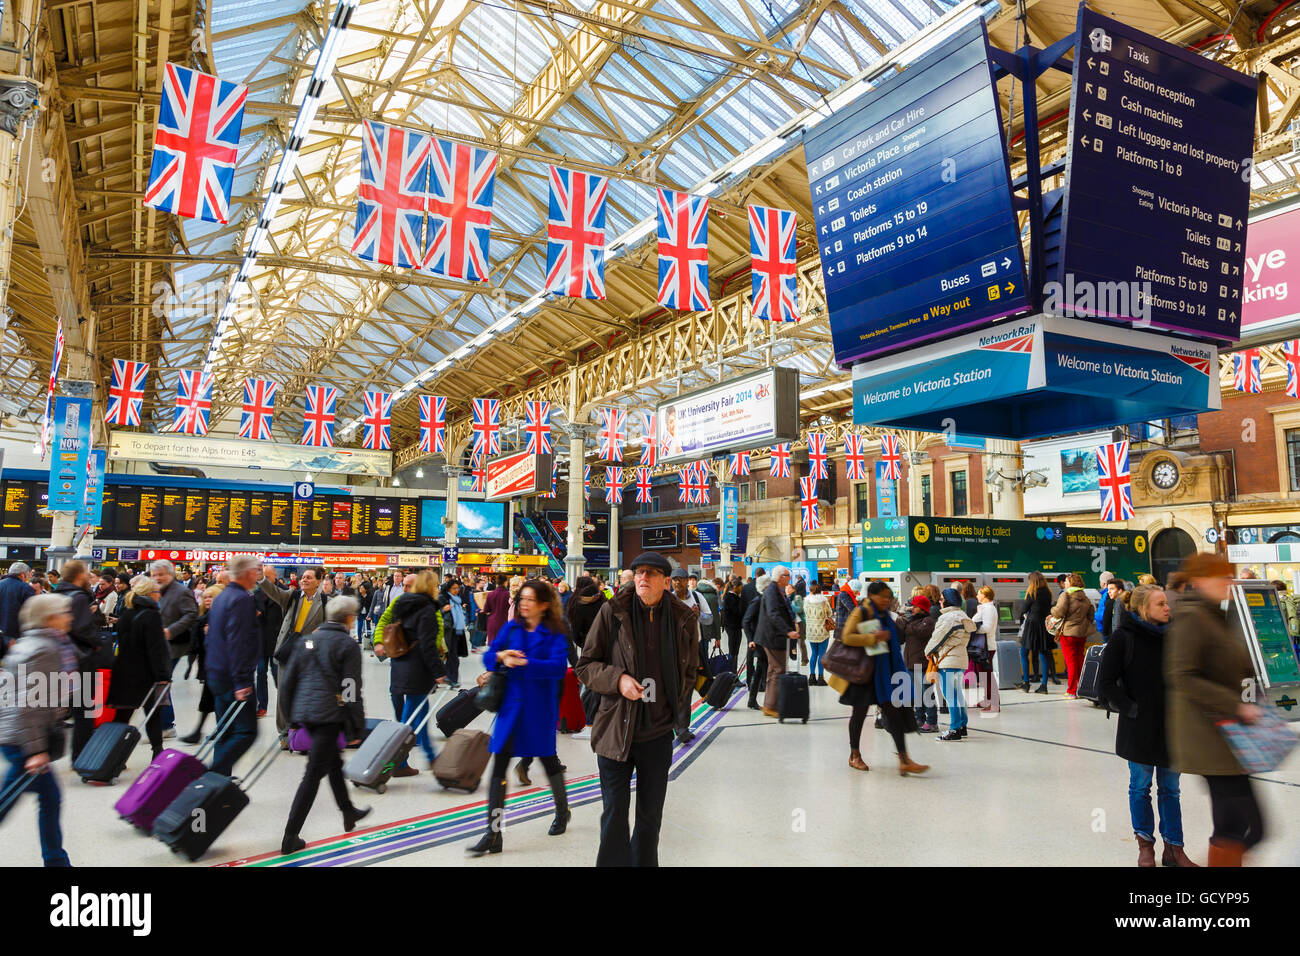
{"x": 951, "y": 598}
{"x": 921, "y": 603}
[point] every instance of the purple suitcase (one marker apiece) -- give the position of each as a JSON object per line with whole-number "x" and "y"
{"x": 171, "y": 772}
{"x": 300, "y": 740}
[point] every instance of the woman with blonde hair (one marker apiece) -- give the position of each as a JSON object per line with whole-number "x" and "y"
{"x": 419, "y": 670}
{"x": 142, "y": 668}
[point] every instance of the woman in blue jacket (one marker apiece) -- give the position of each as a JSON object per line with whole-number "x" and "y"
{"x": 533, "y": 650}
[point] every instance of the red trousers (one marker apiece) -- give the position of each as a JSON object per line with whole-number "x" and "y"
{"x": 1072, "y": 649}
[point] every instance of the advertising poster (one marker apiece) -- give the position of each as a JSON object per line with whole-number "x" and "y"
{"x": 730, "y": 514}
{"x": 759, "y": 409}
{"x": 237, "y": 453}
{"x": 91, "y": 512}
{"x": 886, "y": 493}
{"x": 70, "y": 455}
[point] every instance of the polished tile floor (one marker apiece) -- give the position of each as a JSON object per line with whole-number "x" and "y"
{"x": 1036, "y": 785}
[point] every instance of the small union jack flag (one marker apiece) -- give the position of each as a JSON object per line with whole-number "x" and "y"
{"x": 586, "y": 482}
{"x": 433, "y": 424}
{"x": 1245, "y": 371}
{"x": 478, "y": 473}
{"x": 683, "y": 250}
{"x": 891, "y": 453}
{"x": 855, "y": 458}
{"x": 575, "y": 234}
{"x": 391, "y": 197}
{"x": 1291, "y": 356}
{"x": 684, "y": 483}
{"x": 818, "y": 459}
{"x": 700, "y": 483}
{"x": 378, "y": 418}
{"x": 779, "y": 467}
{"x": 613, "y": 486}
{"x": 643, "y": 485}
{"x": 126, "y": 393}
{"x": 195, "y": 145}
{"x": 193, "y": 403}
{"x": 771, "y": 249}
{"x": 259, "y": 406}
{"x": 47, "y": 420}
{"x": 461, "y": 180}
{"x": 318, "y": 415}
{"x": 808, "y": 504}
{"x": 737, "y": 464}
{"x": 649, "y": 447}
{"x": 486, "y": 425}
{"x": 555, "y": 475}
{"x": 613, "y": 432}
{"x": 537, "y": 426}
{"x": 1113, "y": 477}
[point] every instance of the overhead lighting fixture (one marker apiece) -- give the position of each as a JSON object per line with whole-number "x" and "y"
{"x": 419, "y": 473}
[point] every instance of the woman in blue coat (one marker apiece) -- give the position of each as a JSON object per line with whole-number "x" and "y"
{"x": 533, "y": 651}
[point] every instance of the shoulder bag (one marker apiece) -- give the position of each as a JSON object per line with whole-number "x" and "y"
{"x": 493, "y": 691}
{"x": 853, "y": 664}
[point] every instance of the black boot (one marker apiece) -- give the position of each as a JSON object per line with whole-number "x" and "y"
{"x": 353, "y": 816}
{"x": 562, "y": 812}
{"x": 490, "y": 842}
{"x": 198, "y": 731}
{"x": 292, "y": 843}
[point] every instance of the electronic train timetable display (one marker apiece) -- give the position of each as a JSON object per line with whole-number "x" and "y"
{"x": 912, "y": 204}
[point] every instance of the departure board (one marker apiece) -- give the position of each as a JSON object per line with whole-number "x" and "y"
{"x": 173, "y": 514}
{"x": 150, "y": 513}
{"x": 19, "y": 506}
{"x": 237, "y": 518}
{"x": 341, "y": 521}
{"x": 322, "y": 516}
{"x": 196, "y": 514}
{"x": 215, "y": 520}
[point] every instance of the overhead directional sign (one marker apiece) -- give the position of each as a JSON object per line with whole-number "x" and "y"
{"x": 1158, "y": 184}
{"x": 912, "y": 204}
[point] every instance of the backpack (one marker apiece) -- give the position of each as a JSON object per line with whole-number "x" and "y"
{"x": 1288, "y": 604}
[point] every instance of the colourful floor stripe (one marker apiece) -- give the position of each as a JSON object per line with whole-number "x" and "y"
{"x": 422, "y": 832}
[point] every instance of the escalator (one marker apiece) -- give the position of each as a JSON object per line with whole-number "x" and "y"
{"x": 552, "y": 536}
{"x": 529, "y": 528}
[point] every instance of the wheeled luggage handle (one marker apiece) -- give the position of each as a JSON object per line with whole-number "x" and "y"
{"x": 227, "y": 721}
{"x": 427, "y": 704}
{"x": 15, "y": 790}
{"x": 157, "y": 702}
{"x": 259, "y": 767}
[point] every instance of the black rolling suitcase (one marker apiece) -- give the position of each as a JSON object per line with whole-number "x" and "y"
{"x": 206, "y": 808}
{"x": 1090, "y": 677}
{"x": 723, "y": 684}
{"x": 105, "y": 754}
{"x": 792, "y": 696}
{"x": 458, "y": 713}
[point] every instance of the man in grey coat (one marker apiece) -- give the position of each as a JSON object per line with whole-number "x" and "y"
{"x": 179, "y": 611}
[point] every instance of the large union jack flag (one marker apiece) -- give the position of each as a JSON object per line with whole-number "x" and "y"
{"x": 891, "y": 453}
{"x": 378, "y": 419}
{"x": 575, "y": 234}
{"x": 808, "y": 514}
{"x": 613, "y": 486}
{"x": 683, "y": 250}
{"x": 1113, "y": 477}
{"x": 855, "y": 458}
{"x": 47, "y": 420}
{"x": 737, "y": 464}
{"x": 461, "y": 180}
{"x": 613, "y": 432}
{"x": 643, "y": 485}
{"x": 391, "y": 197}
{"x": 433, "y": 424}
{"x": 818, "y": 459}
{"x": 126, "y": 392}
{"x": 193, "y": 403}
{"x": 318, "y": 415}
{"x": 1245, "y": 371}
{"x": 195, "y": 145}
{"x": 1291, "y": 356}
{"x": 486, "y": 425}
{"x": 649, "y": 447}
{"x": 259, "y": 407}
{"x": 771, "y": 250}
{"x": 779, "y": 466}
{"x": 537, "y": 426}
{"x": 684, "y": 477}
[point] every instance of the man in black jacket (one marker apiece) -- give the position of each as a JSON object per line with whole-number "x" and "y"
{"x": 85, "y": 636}
{"x": 775, "y": 632}
{"x": 14, "y": 591}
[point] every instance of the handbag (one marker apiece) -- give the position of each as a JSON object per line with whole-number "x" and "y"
{"x": 492, "y": 692}
{"x": 1054, "y": 625}
{"x": 1261, "y": 746}
{"x": 853, "y": 664}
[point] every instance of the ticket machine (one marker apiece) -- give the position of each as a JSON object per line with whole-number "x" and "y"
{"x": 1256, "y": 615}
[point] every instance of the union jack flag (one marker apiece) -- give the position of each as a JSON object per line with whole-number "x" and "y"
{"x": 461, "y": 179}
{"x": 537, "y": 425}
{"x": 126, "y": 393}
{"x": 700, "y": 483}
{"x": 613, "y": 486}
{"x": 391, "y": 197}
{"x": 586, "y": 481}
{"x": 433, "y": 424}
{"x": 613, "y": 432}
{"x": 808, "y": 504}
{"x": 818, "y": 465}
{"x": 684, "y": 484}
{"x": 771, "y": 250}
{"x": 378, "y": 419}
{"x": 195, "y": 145}
{"x": 47, "y": 420}
{"x": 649, "y": 447}
{"x": 891, "y": 453}
{"x": 779, "y": 467}
{"x": 643, "y": 485}
{"x": 486, "y": 425}
{"x": 259, "y": 406}
{"x": 1245, "y": 371}
{"x": 1291, "y": 355}
{"x": 193, "y": 403}
{"x": 738, "y": 464}
{"x": 855, "y": 458}
{"x": 1113, "y": 477}
{"x": 478, "y": 473}
{"x": 683, "y": 250}
{"x": 575, "y": 234}
{"x": 318, "y": 415}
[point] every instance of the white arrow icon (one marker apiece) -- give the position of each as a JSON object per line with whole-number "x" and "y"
{"x": 1006, "y": 262}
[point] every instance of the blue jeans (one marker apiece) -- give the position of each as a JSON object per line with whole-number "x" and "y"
{"x": 46, "y": 787}
{"x": 404, "y": 705}
{"x": 236, "y": 741}
{"x": 1044, "y": 661}
{"x": 1140, "y": 776}
{"x": 263, "y": 696}
{"x": 815, "y": 652}
{"x": 954, "y": 695}
{"x": 925, "y": 707}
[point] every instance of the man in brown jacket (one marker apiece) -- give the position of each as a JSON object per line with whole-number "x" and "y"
{"x": 640, "y": 656}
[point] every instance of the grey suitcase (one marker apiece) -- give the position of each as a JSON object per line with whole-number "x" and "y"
{"x": 461, "y": 764}
{"x": 385, "y": 748}
{"x": 1008, "y": 662}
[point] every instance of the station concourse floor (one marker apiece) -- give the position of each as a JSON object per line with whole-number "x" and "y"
{"x": 1037, "y": 785}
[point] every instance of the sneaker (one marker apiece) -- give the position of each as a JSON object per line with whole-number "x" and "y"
{"x": 1071, "y": 696}
{"x": 169, "y": 733}
{"x": 963, "y": 732}
{"x": 261, "y": 713}
{"x": 950, "y": 735}
{"x": 927, "y": 729}
{"x": 1041, "y": 690}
